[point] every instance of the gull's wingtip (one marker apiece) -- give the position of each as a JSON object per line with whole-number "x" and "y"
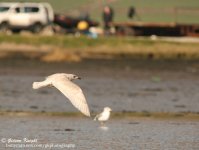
{"x": 87, "y": 113}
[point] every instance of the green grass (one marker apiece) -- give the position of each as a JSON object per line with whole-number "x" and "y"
{"x": 164, "y": 13}
{"x": 68, "y": 41}
{"x": 73, "y": 42}
{"x": 83, "y": 42}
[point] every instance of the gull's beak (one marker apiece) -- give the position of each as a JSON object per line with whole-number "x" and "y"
{"x": 79, "y": 78}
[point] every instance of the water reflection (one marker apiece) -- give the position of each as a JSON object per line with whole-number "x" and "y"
{"x": 104, "y": 128}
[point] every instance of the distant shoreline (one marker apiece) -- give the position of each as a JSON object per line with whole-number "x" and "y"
{"x": 59, "y": 48}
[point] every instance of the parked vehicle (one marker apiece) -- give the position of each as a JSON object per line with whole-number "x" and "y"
{"x": 70, "y": 24}
{"x": 25, "y": 16}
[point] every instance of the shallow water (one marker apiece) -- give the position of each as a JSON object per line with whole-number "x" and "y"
{"x": 84, "y": 133}
{"x": 122, "y": 85}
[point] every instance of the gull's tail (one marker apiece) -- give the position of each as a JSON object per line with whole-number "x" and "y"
{"x": 37, "y": 85}
{"x": 96, "y": 117}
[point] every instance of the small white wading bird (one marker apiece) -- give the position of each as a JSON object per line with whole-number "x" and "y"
{"x": 73, "y": 92}
{"x": 104, "y": 116}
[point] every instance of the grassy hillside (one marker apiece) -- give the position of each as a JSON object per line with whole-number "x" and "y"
{"x": 148, "y": 10}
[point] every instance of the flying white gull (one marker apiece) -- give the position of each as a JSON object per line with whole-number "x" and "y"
{"x": 73, "y": 92}
{"x": 104, "y": 116}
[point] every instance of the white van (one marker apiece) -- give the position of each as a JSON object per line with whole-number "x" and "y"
{"x": 29, "y": 16}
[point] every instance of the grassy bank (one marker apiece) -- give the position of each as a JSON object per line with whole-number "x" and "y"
{"x": 63, "y": 48}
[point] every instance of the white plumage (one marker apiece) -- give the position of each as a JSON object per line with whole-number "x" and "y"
{"x": 73, "y": 92}
{"x": 104, "y": 116}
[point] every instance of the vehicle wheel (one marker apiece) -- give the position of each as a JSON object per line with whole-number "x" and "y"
{"x": 15, "y": 31}
{"x": 36, "y": 28}
{"x": 4, "y": 27}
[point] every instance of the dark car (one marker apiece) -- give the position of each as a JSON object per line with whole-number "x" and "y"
{"x": 70, "y": 23}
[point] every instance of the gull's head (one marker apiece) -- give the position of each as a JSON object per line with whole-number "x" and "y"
{"x": 72, "y": 77}
{"x": 108, "y": 109}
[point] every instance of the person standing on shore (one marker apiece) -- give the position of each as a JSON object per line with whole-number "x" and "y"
{"x": 107, "y": 17}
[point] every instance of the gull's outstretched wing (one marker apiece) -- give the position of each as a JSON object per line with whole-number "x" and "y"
{"x": 73, "y": 93}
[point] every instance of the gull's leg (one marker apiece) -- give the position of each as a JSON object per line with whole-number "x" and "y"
{"x": 102, "y": 124}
